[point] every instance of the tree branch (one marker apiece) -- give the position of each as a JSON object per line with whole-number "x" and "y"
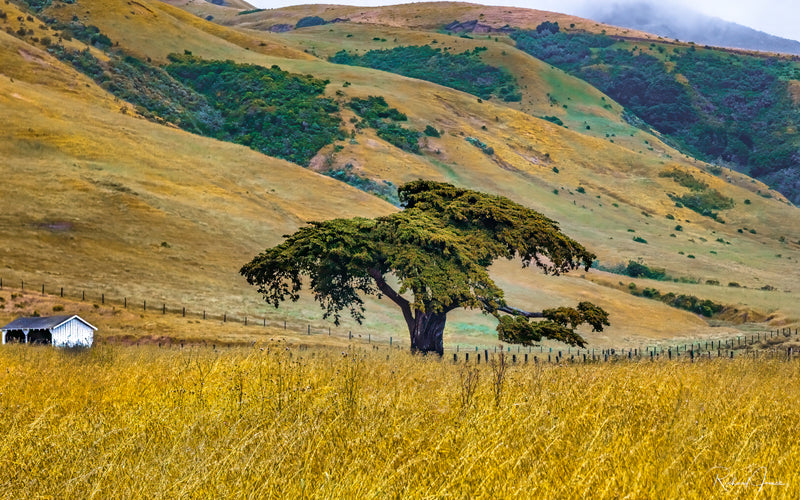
{"x": 398, "y": 299}
{"x": 520, "y": 312}
{"x": 513, "y": 310}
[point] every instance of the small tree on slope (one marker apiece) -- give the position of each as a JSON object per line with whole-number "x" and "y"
{"x": 438, "y": 248}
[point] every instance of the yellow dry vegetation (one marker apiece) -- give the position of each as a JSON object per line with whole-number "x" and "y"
{"x": 273, "y": 421}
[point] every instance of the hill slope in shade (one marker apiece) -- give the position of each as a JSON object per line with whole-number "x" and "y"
{"x": 141, "y": 209}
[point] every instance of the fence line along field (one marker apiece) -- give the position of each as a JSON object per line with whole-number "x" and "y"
{"x": 131, "y": 320}
{"x": 278, "y": 422}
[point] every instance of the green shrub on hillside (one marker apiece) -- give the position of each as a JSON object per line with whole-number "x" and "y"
{"x": 480, "y": 145}
{"x": 309, "y": 21}
{"x": 705, "y": 202}
{"x": 702, "y": 199}
{"x": 377, "y": 114}
{"x": 385, "y": 190}
{"x": 684, "y": 178}
{"x": 430, "y": 131}
{"x": 464, "y": 71}
{"x": 690, "y": 303}
{"x": 273, "y": 111}
{"x": 553, "y": 119}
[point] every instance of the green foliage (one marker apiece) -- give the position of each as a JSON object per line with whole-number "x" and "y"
{"x": 385, "y": 190}
{"x": 735, "y": 107}
{"x": 553, "y": 119}
{"x": 272, "y": 111}
{"x": 685, "y": 179}
{"x": 438, "y": 248}
{"x": 639, "y": 239}
{"x": 89, "y": 35}
{"x": 251, "y": 11}
{"x": 375, "y": 111}
{"x": 309, "y": 21}
{"x": 430, "y": 131}
{"x": 638, "y": 270}
{"x": 480, "y": 145}
{"x": 702, "y": 199}
{"x": 464, "y": 71}
{"x": 690, "y": 303}
{"x": 37, "y": 5}
{"x": 705, "y": 202}
{"x": 374, "y": 108}
{"x": 403, "y": 138}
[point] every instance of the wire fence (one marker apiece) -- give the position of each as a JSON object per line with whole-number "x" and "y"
{"x": 723, "y": 347}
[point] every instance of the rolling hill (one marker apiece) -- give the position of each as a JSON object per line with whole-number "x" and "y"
{"x": 97, "y": 196}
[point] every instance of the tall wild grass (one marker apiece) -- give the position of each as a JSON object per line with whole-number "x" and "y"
{"x": 278, "y": 422}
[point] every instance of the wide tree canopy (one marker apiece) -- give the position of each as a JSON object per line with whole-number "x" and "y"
{"x": 438, "y": 248}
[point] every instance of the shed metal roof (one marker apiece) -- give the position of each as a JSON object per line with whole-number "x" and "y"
{"x": 43, "y": 323}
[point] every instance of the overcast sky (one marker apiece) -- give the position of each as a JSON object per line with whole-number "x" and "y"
{"x": 776, "y": 17}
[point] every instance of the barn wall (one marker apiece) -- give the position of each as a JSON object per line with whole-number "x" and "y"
{"x": 73, "y": 333}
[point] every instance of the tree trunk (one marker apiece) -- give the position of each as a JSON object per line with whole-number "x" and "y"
{"x": 427, "y": 331}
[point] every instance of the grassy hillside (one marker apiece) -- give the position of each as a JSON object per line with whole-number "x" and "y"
{"x": 145, "y": 210}
{"x": 96, "y": 197}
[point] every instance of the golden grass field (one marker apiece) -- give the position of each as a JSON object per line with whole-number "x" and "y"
{"x": 280, "y": 422}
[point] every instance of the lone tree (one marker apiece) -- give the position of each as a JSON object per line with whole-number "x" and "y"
{"x": 438, "y": 248}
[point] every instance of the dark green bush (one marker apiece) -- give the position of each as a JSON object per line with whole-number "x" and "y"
{"x": 309, "y": 21}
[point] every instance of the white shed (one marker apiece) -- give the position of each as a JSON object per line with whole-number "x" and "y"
{"x": 61, "y": 331}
